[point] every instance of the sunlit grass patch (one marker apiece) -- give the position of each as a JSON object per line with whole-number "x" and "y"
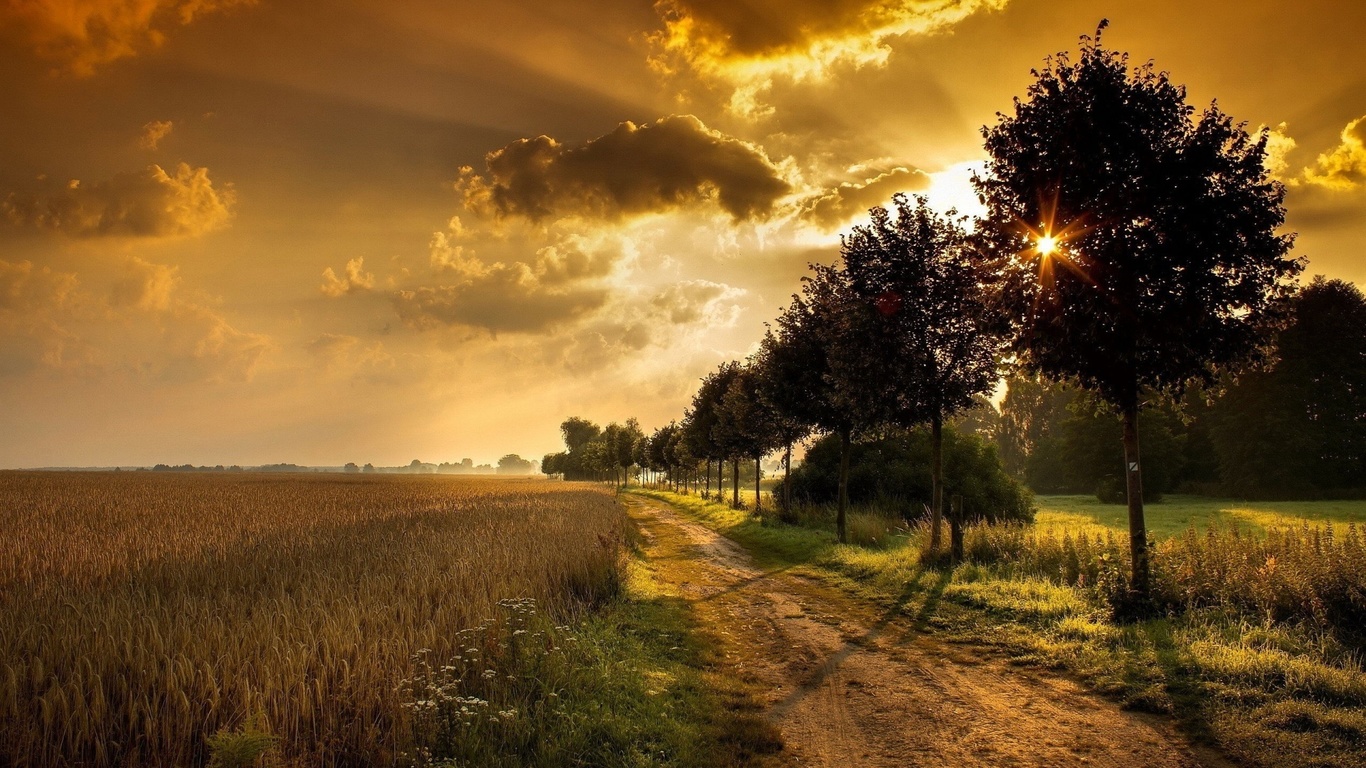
{"x": 1293, "y": 734}
{"x": 1025, "y": 598}
{"x": 1075, "y": 627}
{"x": 1277, "y": 671}
{"x": 1178, "y": 512}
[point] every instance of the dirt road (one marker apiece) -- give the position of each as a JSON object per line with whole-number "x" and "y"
{"x": 849, "y": 687}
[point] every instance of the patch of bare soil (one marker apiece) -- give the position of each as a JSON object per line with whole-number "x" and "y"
{"x": 848, "y": 687}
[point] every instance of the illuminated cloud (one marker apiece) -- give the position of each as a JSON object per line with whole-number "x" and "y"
{"x": 152, "y": 203}
{"x": 82, "y": 35}
{"x": 183, "y": 340}
{"x": 153, "y": 133}
{"x": 563, "y": 283}
{"x": 355, "y": 279}
{"x": 201, "y": 345}
{"x": 673, "y": 162}
{"x": 506, "y": 299}
{"x": 748, "y": 45}
{"x": 336, "y": 352}
{"x": 146, "y": 286}
{"x": 1344, "y": 168}
{"x": 37, "y": 308}
{"x": 1279, "y": 145}
{"x": 143, "y": 326}
{"x": 837, "y": 206}
{"x": 694, "y": 302}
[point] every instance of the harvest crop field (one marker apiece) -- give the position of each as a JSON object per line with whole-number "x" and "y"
{"x": 142, "y": 613}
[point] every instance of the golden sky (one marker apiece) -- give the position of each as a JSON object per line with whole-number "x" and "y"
{"x": 249, "y": 231}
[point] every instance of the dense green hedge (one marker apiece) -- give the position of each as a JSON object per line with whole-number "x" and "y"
{"x": 895, "y": 472}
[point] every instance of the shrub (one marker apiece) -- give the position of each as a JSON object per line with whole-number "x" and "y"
{"x": 894, "y": 473}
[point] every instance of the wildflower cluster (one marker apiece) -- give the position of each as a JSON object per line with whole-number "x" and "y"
{"x": 491, "y": 701}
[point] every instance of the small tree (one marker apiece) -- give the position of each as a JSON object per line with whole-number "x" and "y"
{"x": 1137, "y": 248}
{"x": 748, "y": 422}
{"x": 703, "y": 420}
{"x": 782, "y": 368}
{"x": 834, "y": 332}
{"x": 936, "y": 319}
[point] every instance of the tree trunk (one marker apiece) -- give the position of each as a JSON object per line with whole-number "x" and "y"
{"x": 757, "y": 475}
{"x": 1138, "y": 531}
{"x": 707, "y": 494}
{"x": 787, "y": 479}
{"x": 937, "y": 480}
{"x": 735, "y": 483}
{"x": 956, "y": 528}
{"x": 841, "y": 514}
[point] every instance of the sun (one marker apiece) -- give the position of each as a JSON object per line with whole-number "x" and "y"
{"x": 1047, "y": 245}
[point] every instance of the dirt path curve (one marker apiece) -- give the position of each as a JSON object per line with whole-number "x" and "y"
{"x": 847, "y": 687}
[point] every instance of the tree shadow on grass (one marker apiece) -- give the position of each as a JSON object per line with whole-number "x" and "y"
{"x": 1177, "y": 692}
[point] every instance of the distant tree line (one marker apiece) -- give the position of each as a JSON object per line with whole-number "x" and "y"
{"x": 1293, "y": 429}
{"x": 511, "y": 464}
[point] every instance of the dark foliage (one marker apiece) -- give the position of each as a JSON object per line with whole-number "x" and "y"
{"x": 895, "y": 471}
{"x": 1171, "y": 261}
{"x": 1299, "y": 429}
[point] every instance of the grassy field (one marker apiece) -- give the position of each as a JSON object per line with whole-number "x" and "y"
{"x": 181, "y": 620}
{"x": 1249, "y": 665}
{"x": 1176, "y": 513}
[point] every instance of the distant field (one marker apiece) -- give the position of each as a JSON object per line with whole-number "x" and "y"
{"x": 141, "y": 613}
{"x": 1175, "y": 513}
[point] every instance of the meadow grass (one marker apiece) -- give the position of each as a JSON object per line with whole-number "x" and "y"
{"x": 1175, "y": 513}
{"x": 1248, "y": 658}
{"x": 158, "y": 620}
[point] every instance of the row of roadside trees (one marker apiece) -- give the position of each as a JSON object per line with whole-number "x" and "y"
{"x": 1129, "y": 247}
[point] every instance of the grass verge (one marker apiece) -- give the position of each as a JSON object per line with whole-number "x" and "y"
{"x": 1261, "y": 691}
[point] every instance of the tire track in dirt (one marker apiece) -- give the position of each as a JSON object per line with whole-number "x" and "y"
{"x": 847, "y": 687}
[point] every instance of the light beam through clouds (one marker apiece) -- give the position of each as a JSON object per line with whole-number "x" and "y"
{"x": 644, "y": 185}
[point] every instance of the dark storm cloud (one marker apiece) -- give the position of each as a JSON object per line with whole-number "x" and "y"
{"x": 673, "y": 162}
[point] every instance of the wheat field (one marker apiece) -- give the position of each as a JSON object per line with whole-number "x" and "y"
{"x": 142, "y": 613}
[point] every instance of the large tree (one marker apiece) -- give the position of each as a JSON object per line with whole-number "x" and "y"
{"x": 935, "y": 316}
{"x": 1138, "y": 246}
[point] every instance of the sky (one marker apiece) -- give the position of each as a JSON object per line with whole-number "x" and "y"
{"x": 256, "y": 231}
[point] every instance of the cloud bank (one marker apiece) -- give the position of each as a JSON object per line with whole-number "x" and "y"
{"x": 561, "y": 284}
{"x": 141, "y": 324}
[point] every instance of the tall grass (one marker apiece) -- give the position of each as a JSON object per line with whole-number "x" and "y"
{"x": 1306, "y": 574}
{"x": 142, "y": 614}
